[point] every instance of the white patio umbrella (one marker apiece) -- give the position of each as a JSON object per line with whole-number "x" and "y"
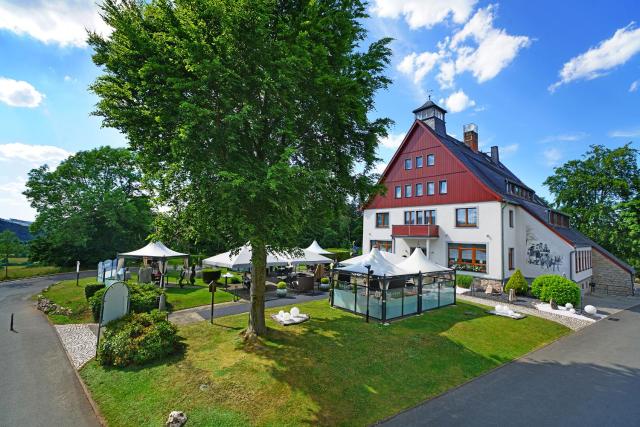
{"x": 316, "y": 248}
{"x": 419, "y": 263}
{"x": 379, "y": 265}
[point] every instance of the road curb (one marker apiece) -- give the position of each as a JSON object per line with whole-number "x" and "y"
{"x": 87, "y": 393}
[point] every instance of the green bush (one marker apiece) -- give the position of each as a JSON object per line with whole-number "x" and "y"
{"x": 560, "y": 289}
{"x": 235, "y": 279}
{"x": 463, "y": 281}
{"x": 518, "y": 283}
{"x": 91, "y": 289}
{"x": 538, "y": 284}
{"x": 281, "y": 285}
{"x": 210, "y": 275}
{"x": 324, "y": 280}
{"x": 137, "y": 339}
{"x": 142, "y": 299}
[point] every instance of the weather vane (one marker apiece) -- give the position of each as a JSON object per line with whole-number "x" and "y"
{"x": 429, "y": 92}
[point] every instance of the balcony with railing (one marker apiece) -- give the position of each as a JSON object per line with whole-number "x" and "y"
{"x": 415, "y": 231}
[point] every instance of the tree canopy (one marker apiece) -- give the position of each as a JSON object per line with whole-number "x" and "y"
{"x": 248, "y": 116}
{"x": 89, "y": 208}
{"x": 601, "y": 193}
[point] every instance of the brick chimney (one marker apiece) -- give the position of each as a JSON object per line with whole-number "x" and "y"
{"x": 495, "y": 156}
{"x": 471, "y": 136}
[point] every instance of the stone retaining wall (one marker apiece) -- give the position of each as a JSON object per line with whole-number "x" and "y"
{"x": 606, "y": 272}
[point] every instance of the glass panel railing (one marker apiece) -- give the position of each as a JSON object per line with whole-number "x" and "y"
{"x": 343, "y": 296}
{"x": 447, "y": 293}
{"x": 430, "y": 296}
{"x": 410, "y": 300}
{"x": 394, "y": 303}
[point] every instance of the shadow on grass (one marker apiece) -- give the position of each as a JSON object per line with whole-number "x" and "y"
{"x": 357, "y": 373}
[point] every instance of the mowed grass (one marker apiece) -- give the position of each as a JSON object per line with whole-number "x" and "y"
{"x": 334, "y": 369}
{"x": 67, "y": 294}
{"x": 24, "y": 271}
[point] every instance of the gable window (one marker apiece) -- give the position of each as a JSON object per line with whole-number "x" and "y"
{"x": 382, "y": 220}
{"x": 419, "y": 162}
{"x": 431, "y": 188}
{"x": 431, "y": 159}
{"x": 511, "y": 259}
{"x": 430, "y": 217}
{"x": 409, "y": 217}
{"x": 398, "y": 192}
{"x": 419, "y": 189}
{"x": 443, "y": 187}
{"x": 511, "y": 218}
{"x": 407, "y": 190}
{"x": 382, "y": 245}
{"x": 467, "y": 217}
{"x": 407, "y": 164}
{"x": 468, "y": 257}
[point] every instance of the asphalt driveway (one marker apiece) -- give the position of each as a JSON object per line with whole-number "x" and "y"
{"x": 591, "y": 378}
{"x": 37, "y": 384}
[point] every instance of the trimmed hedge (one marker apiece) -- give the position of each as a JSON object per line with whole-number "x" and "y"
{"x": 518, "y": 283}
{"x": 340, "y": 254}
{"x": 137, "y": 339}
{"x": 560, "y": 289}
{"x": 538, "y": 282}
{"x": 210, "y": 275}
{"x": 142, "y": 299}
{"x": 463, "y": 281}
{"x": 91, "y": 289}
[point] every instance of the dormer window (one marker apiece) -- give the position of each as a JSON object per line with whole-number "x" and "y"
{"x": 558, "y": 219}
{"x": 519, "y": 191}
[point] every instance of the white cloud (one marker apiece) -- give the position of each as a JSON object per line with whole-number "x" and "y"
{"x": 624, "y": 133}
{"x": 458, "y": 101}
{"x": 35, "y": 155}
{"x": 565, "y": 137}
{"x": 424, "y": 13}
{"x": 598, "y": 60}
{"x": 13, "y": 204}
{"x": 634, "y": 86}
{"x": 509, "y": 149}
{"x": 18, "y": 93}
{"x": 552, "y": 156}
{"x": 53, "y": 21}
{"x": 393, "y": 140}
{"x": 478, "y": 48}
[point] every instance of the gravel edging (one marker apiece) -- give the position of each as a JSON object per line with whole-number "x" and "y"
{"x": 79, "y": 341}
{"x": 569, "y": 322}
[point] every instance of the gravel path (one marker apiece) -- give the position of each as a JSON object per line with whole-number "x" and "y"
{"x": 569, "y": 322}
{"x": 79, "y": 341}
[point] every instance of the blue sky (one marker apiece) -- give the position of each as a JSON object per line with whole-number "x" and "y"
{"x": 542, "y": 82}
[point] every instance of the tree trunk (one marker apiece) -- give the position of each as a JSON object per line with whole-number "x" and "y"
{"x": 257, "y": 326}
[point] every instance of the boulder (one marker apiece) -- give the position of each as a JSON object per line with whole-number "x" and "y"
{"x": 590, "y": 310}
{"x": 489, "y": 289}
{"x": 176, "y": 419}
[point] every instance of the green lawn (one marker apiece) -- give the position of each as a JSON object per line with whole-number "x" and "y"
{"x": 67, "y": 294}
{"x": 332, "y": 370}
{"x": 23, "y": 271}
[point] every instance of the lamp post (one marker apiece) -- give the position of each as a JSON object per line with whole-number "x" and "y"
{"x": 77, "y": 273}
{"x": 212, "y": 289}
{"x": 226, "y": 276}
{"x": 368, "y": 278}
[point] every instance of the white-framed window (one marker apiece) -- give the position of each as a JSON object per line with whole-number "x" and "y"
{"x": 431, "y": 159}
{"x": 419, "y": 189}
{"x": 418, "y": 161}
{"x": 407, "y": 190}
{"x": 407, "y": 164}
{"x": 443, "y": 187}
{"x": 431, "y": 188}
{"x": 398, "y": 192}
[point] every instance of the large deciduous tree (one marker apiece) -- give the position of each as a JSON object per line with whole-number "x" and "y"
{"x": 89, "y": 208}
{"x": 247, "y": 114}
{"x": 601, "y": 193}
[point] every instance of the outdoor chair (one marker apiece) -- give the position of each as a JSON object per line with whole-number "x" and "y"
{"x": 305, "y": 284}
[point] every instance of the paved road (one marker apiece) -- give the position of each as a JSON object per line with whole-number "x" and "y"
{"x": 37, "y": 384}
{"x": 591, "y": 378}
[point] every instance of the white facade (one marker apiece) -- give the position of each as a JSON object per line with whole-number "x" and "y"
{"x": 536, "y": 248}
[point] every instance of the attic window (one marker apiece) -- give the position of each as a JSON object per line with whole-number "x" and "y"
{"x": 558, "y": 219}
{"x": 519, "y": 191}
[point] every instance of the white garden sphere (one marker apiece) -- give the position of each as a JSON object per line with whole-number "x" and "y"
{"x": 572, "y": 310}
{"x": 295, "y": 312}
{"x": 590, "y": 310}
{"x": 568, "y": 305}
{"x": 499, "y": 308}
{"x": 286, "y": 316}
{"x": 280, "y": 314}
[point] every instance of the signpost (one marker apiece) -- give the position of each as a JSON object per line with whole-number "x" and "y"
{"x": 115, "y": 304}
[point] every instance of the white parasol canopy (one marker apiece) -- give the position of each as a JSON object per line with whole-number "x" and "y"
{"x": 419, "y": 263}
{"x": 390, "y": 257}
{"x": 380, "y": 266}
{"x": 316, "y": 248}
{"x": 153, "y": 250}
{"x": 242, "y": 259}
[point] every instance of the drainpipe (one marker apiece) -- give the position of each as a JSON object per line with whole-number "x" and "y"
{"x": 572, "y": 261}
{"x": 502, "y": 243}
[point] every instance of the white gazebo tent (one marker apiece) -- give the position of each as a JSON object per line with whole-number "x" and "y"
{"x": 373, "y": 263}
{"x": 390, "y": 257}
{"x": 419, "y": 263}
{"x": 316, "y": 248}
{"x": 308, "y": 257}
{"x": 156, "y": 251}
{"x": 241, "y": 260}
